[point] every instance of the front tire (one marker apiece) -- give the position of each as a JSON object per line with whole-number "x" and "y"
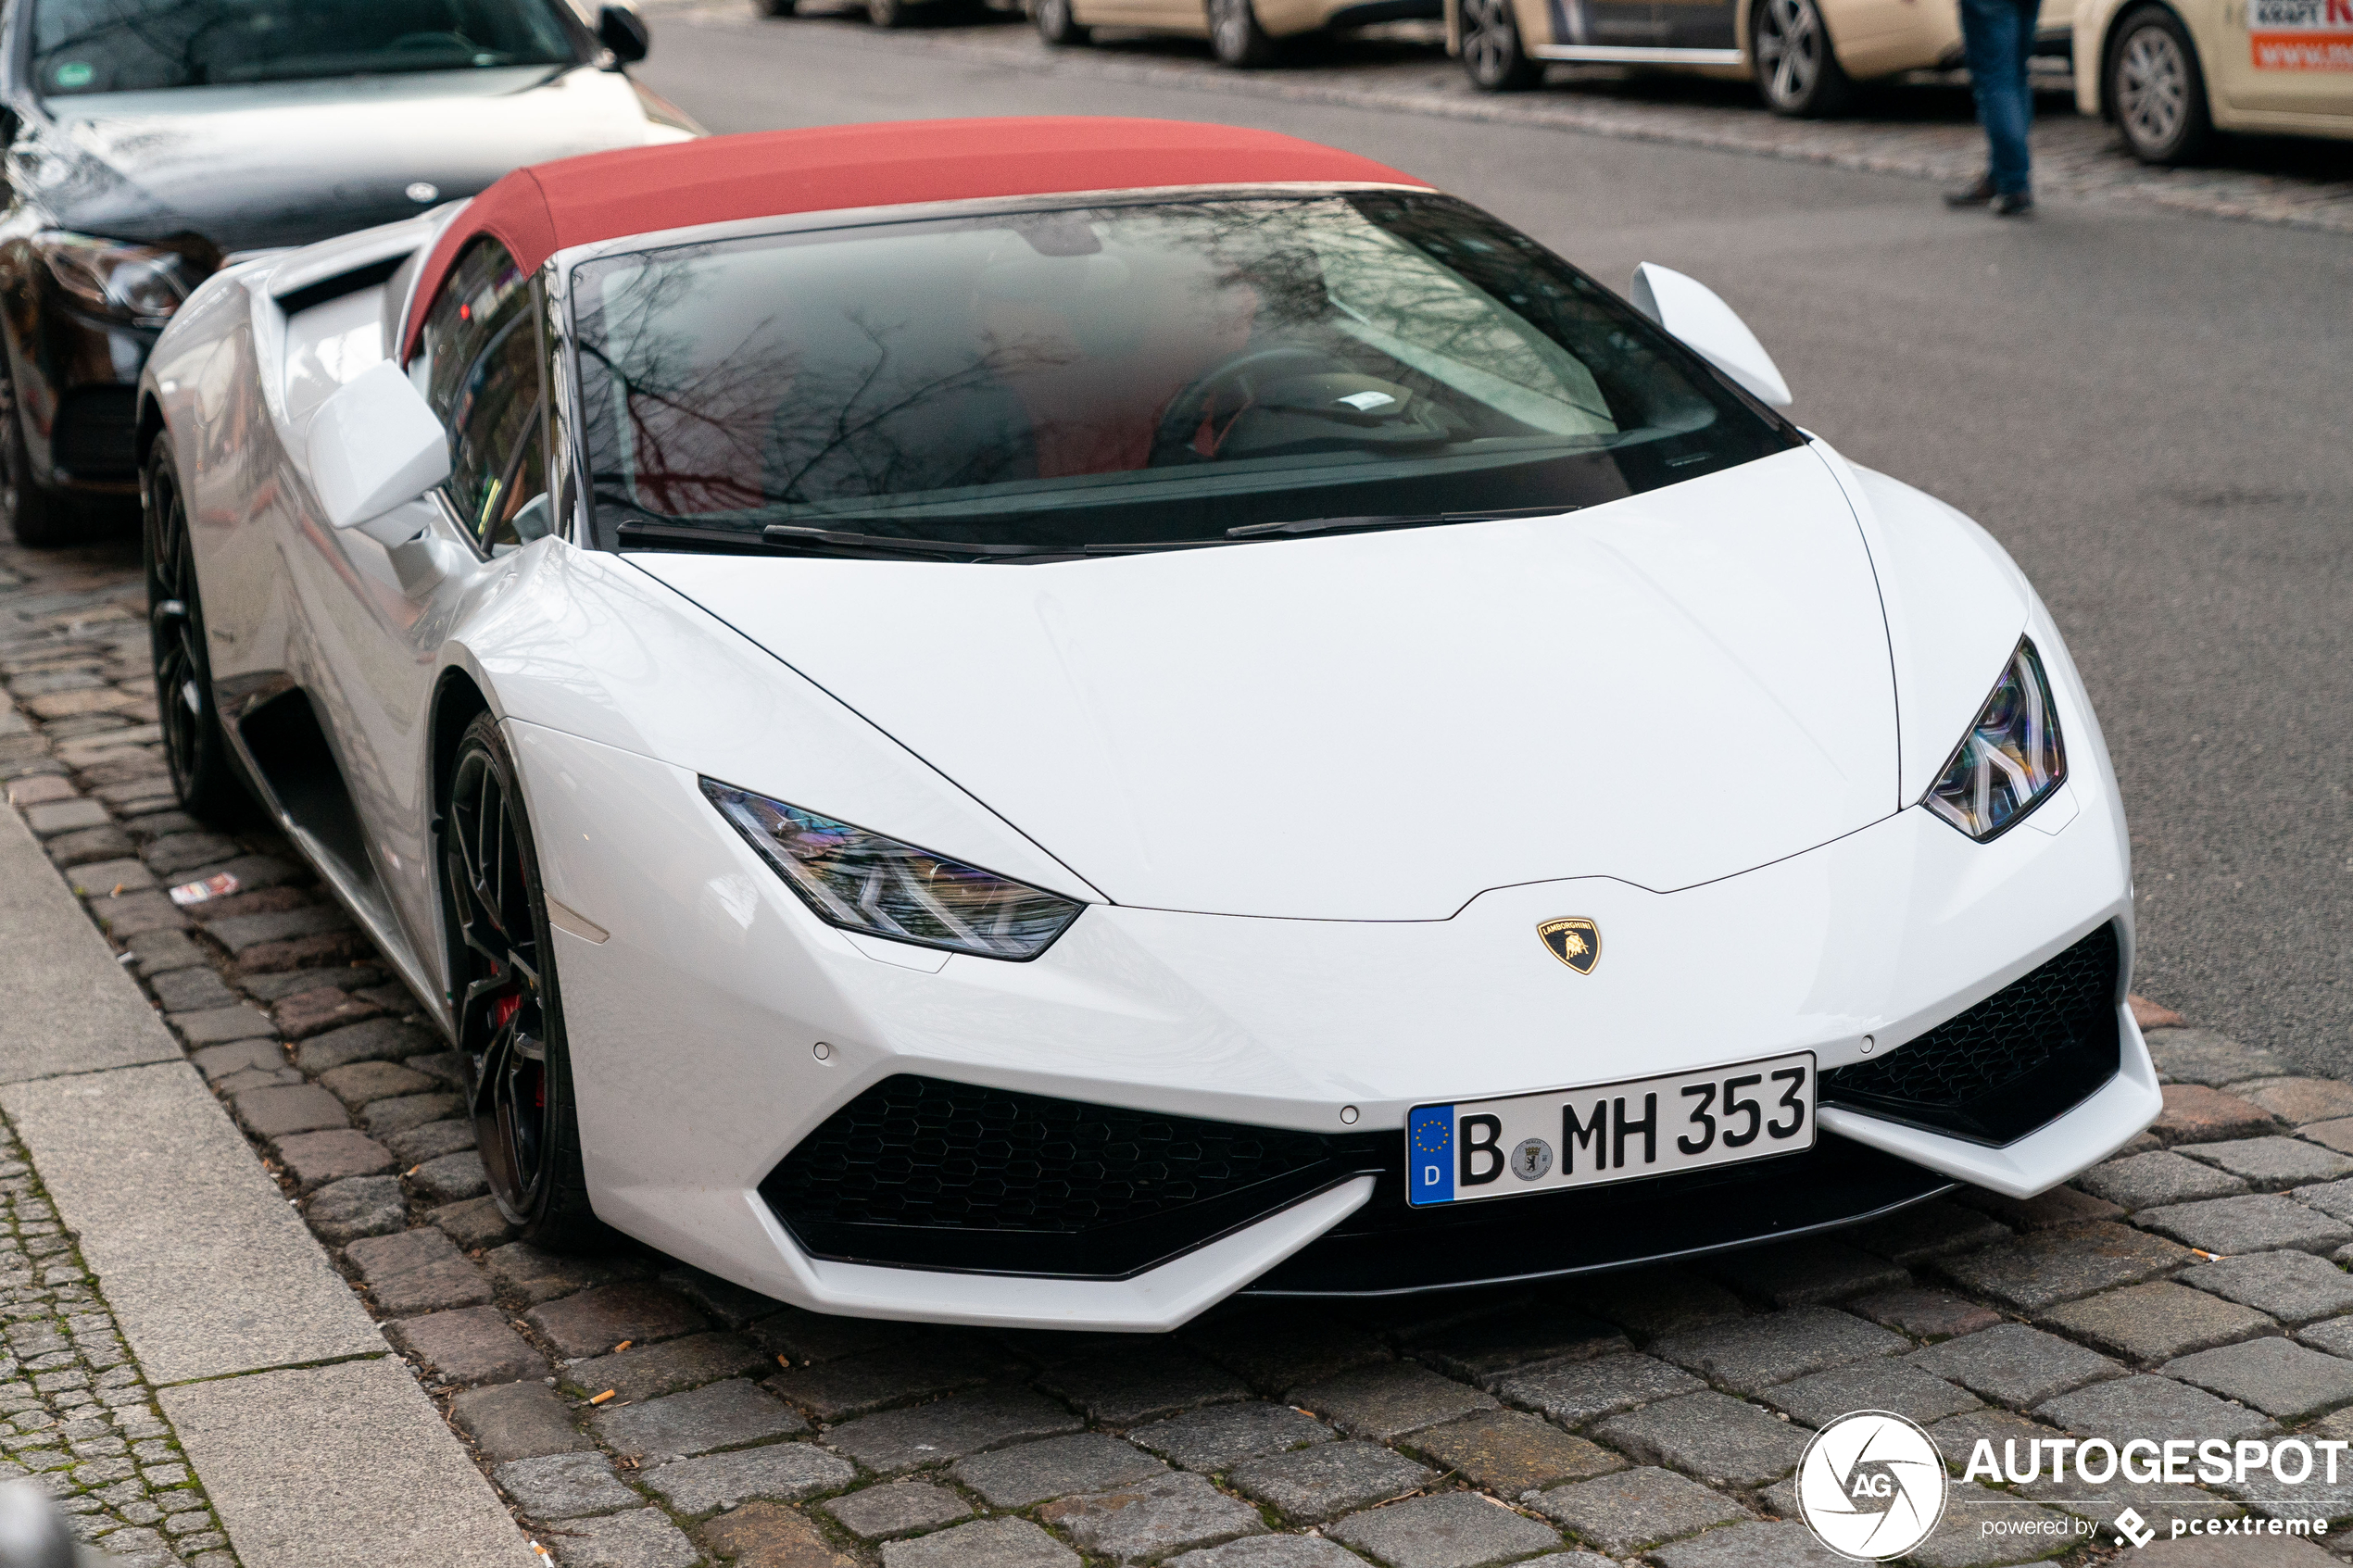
{"x": 889, "y": 13}
{"x": 510, "y": 1012}
{"x": 37, "y": 516}
{"x": 2157, "y": 90}
{"x": 1492, "y": 55}
{"x": 1797, "y": 70}
{"x": 1057, "y": 22}
{"x": 1236, "y": 38}
{"x": 193, "y": 746}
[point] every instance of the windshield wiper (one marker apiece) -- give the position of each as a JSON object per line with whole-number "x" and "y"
{"x": 1412, "y": 520}
{"x": 791, "y": 533}
{"x": 787, "y": 536}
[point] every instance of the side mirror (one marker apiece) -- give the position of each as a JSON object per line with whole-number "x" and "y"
{"x": 623, "y": 31}
{"x": 1691, "y": 310}
{"x": 374, "y": 446}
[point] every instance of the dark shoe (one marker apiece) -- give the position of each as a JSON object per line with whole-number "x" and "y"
{"x": 1977, "y": 194}
{"x": 2014, "y": 204}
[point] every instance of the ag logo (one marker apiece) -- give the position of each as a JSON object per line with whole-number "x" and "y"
{"x": 1576, "y": 941}
{"x": 1871, "y": 1485}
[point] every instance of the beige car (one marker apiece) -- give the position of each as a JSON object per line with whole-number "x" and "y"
{"x": 1805, "y": 55}
{"x": 2172, "y": 72}
{"x": 1241, "y": 32}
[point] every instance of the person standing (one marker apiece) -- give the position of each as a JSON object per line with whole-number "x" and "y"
{"x": 1997, "y": 37}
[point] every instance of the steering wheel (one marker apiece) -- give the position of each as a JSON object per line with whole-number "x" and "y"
{"x": 1208, "y": 407}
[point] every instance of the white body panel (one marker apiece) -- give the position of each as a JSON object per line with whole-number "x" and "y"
{"x": 1316, "y": 796}
{"x": 1272, "y": 1021}
{"x": 1259, "y": 730}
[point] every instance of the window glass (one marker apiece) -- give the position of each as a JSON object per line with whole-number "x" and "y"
{"x": 1132, "y": 375}
{"x": 482, "y": 370}
{"x": 141, "y": 45}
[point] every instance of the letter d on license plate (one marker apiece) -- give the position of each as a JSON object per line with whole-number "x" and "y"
{"x": 1609, "y": 1131}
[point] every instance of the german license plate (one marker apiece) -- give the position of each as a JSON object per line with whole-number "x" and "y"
{"x": 1609, "y": 1131}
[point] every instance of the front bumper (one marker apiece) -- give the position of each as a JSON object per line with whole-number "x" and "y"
{"x": 693, "y": 1030}
{"x": 76, "y": 379}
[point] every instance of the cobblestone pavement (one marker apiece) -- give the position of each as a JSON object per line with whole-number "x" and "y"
{"x": 74, "y": 1412}
{"x": 1922, "y": 129}
{"x": 639, "y": 1414}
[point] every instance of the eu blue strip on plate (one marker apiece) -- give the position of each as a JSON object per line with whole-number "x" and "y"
{"x": 1430, "y": 1155}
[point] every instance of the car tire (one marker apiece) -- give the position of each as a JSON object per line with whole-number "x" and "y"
{"x": 504, "y": 998}
{"x": 2157, "y": 92}
{"x": 889, "y": 13}
{"x": 194, "y": 749}
{"x": 37, "y": 516}
{"x": 1797, "y": 69}
{"x": 774, "y": 7}
{"x": 1493, "y": 57}
{"x": 1057, "y": 22}
{"x": 1236, "y": 38}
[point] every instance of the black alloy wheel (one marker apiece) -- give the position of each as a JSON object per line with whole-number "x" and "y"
{"x": 193, "y": 747}
{"x": 1797, "y": 70}
{"x": 1057, "y": 23}
{"x": 36, "y": 516}
{"x": 503, "y": 992}
{"x": 1236, "y": 38}
{"x": 1492, "y": 53}
{"x": 2156, "y": 89}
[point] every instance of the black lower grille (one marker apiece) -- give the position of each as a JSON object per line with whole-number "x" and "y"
{"x": 95, "y": 434}
{"x": 939, "y": 1174}
{"x": 2009, "y": 1065}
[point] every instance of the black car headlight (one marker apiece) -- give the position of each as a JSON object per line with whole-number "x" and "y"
{"x": 2012, "y": 758}
{"x": 865, "y": 882}
{"x": 143, "y": 284}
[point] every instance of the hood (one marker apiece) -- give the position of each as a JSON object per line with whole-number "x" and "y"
{"x": 1668, "y": 689}
{"x": 291, "y": 163}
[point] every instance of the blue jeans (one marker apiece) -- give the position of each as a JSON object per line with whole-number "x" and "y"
{"x": 1998, "y": 37}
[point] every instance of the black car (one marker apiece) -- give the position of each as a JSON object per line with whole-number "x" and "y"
{"x": 149, "y": 142}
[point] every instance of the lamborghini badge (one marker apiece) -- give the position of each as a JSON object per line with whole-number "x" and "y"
{"x": 1576, "y": 941}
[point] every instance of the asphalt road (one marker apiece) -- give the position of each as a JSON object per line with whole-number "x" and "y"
{"x": 2152, "y": 411}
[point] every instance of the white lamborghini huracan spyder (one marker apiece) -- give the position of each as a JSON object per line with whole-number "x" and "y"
{"x": 1044, "y": 721}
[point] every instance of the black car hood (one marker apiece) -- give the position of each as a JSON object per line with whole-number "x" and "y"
{"x": 289, "y": 163}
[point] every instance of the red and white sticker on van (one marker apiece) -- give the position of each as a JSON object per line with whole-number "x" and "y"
{"x": 2301, "y": 35}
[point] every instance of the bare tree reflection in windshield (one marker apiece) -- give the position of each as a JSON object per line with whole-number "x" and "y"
{"x": 1126, "y": 376}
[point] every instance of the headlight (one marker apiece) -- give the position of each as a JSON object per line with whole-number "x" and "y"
{"x": 130, "y": 282}
{"x": 2011, "y": 758}
{"x": 862, "y": 881}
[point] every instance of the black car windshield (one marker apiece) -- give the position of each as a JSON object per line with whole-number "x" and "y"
{"x": 1130, "y": 376}
{"x": 81, "y": 46}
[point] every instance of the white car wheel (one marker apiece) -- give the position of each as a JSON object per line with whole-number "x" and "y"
{"x": 2156, "y": 89}
{"x": 1492, "y": 53}
{"x": 1235, "y": 36}
{"x": 1057, "y": 23}
{"x": 1796, "y": 68}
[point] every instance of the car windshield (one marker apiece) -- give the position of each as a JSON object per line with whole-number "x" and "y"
{"x": 81, "y": 46}
{"x": 1131, "y": 376}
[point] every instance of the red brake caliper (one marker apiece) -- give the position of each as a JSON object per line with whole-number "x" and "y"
{"x": 502, "y": 1011}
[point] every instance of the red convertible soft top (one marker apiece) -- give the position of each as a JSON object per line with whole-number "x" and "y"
{"x": 552, "y": 207}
